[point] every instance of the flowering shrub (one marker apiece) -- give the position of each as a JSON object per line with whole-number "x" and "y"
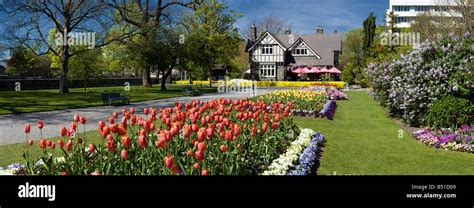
{"x": 459, "y": 140}
{"x": 450, "y": 111}
{"x": 307, "y": 161}
{"x": 218, "y": 137}
{"x": 409, "y": 86}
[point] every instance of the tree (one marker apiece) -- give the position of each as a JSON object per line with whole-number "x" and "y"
{"x": 147, "y": 16}
{"x": 21, "y": 62}
{"x": 66, "y": 17}
{"x": 87, "y": 65}
{"x": 271, "y": 23}
{"x": 369, "y": 32}
{"x": 213, "y": 37}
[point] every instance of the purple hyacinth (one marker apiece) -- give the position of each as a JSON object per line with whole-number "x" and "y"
{"x": 307, "y": 159}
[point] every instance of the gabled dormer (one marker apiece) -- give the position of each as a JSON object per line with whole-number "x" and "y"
{"x": 301, "y": 49}
{"x": 267, "y": 48}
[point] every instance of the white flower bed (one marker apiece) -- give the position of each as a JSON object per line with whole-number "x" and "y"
{"x": 281, "y": 165}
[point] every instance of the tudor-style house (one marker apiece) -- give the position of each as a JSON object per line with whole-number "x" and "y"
{"x": 272, "y": 56}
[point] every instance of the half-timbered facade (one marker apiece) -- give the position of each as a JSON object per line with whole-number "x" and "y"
{"x": 271, "y": 56}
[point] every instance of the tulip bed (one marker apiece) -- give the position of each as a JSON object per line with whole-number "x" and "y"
{"x": 219, "y": 137}
{"x": 307, "y": 101}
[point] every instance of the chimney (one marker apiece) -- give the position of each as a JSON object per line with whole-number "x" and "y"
{"x": 320, "y": 30}
{"x": 253, "y": 32}
{"x": 288, "y": 31}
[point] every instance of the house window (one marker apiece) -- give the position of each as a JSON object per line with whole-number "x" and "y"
{"x": 300, "y": 51}
{"x": 401, "y": 19}
{"x": 267, "y": 50}
{"x": 267, "y": 70}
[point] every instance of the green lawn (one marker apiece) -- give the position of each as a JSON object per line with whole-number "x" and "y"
{"x": 13, "y": 153}
{"x": 362, "y": 139}
{"x": 46, "y": 100}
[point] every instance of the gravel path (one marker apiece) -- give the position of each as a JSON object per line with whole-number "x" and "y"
{"x": 11, "y": 126}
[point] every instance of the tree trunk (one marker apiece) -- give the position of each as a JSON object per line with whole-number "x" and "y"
{"x": 63, "y": 83}
{"x": 164, "y": 77}
{"x": 146, "y": 79}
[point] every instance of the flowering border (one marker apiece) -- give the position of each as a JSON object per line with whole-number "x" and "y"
{"x": 309, "y": 159}
{"x": 329, "y": 109}
{"x": 299, "y": 153}
{"x": 460, "y": 140}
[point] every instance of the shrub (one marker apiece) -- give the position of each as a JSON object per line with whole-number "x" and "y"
{"x": 449, "y": 112}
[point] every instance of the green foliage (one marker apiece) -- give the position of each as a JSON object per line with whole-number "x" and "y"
{"x": 24, "y": 62}
{"x": 347, "y": 75}
{"x": 369, "y": 32}
{"x": 449, "y": 112}
{"x": 212, "y": 37}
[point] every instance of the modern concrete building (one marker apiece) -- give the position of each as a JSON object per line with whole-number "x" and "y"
{"x": 405, "y": 11}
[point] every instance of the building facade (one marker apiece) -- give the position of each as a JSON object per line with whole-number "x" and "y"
{"x": 272, "y": 56}
{"x": 405, "y": 11}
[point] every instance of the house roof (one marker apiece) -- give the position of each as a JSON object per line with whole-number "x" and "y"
{"x": 322, "y": 44}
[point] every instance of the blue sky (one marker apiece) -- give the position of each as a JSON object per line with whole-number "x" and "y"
{"x": 306, "y": 15}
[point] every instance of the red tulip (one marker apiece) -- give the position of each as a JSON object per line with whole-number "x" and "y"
{"x": 42, "y": 144}
{"x": 82, "y": 120}
{"x": 68, "y": 145}
{"x": 175, "y": 169}
{"x": 264, "y": 127}
{"x": 40, "y": 124}
{"x": 63, "y": 131}
{"x": 168, "y": 161}
{"x": 73, "y": 126}
{"x": 132, "y": 110}
{"x": 111, "y": 120}
{"x": 53, "y": 145}
{"x": 152, "y": 126}
{"x": 200, "y": 135}
{"x": 223, "y": 148}
{"x": 124, "y": 154}
{"x": 196, "y": 166}
{"x": 91, "y": 148}
{"x": 30, "y": 142}
{"x": 142, "y": 141}
{"x": 238, "y": 146}
{"x": 63, "y": 173}
{"x": 199, "y": 155}
{"x": 96, "y": 173}
{"x": 274, "y": 125}
{"x": 109, "y": 137}
{"x": 210, "y": 132}
{"x": 204, "y": 172}
{"x": 80, "y": 141}
{"x": 110, "y": 145}
{"x": 145, "y": 111}
{"x": 115, "y": 115}
{"x": 101, "y": 124}
{"x": 126, "y": 141}
{"x": 27, "y": 128}
{"x": 202, "y": 146}
{"x": 228, "y": 135}
{"x": 76, "y": 118}
{"x": 61, "y": 143}
{"x": 190, "y": 153}
{"x": 254, "y": 131}
{"x": 49, "y": 143}
{"x": 195, "y": 127}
